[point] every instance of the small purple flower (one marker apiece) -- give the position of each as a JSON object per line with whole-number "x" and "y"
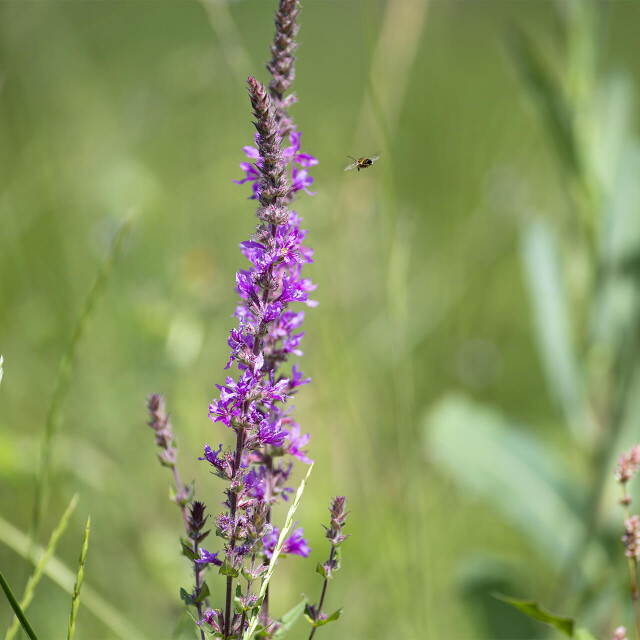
{"x": 296, "y": 442}
{"x": 292, "y": 153}
{"x": 208, "y": 558}
{"x": 271, "y": 433}
{"x": 291, "y": 156}
{"x": 295, "y": 543}
{"x": 300, "y": 179}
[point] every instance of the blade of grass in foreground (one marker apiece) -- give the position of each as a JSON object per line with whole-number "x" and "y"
{"x": 75, "y": 602}
{"x": 33, "y": 581}
{"x": 66, "y": 368}
{"x": 16, "y": 608}
{"x": 19, "y": 541}
{"x": 288, "y": 524}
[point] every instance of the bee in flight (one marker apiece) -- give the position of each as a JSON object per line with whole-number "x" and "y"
{"x": 361, "y": 163}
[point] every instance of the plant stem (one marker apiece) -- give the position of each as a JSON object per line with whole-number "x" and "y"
{"x": 324, "y": 591}
{"x": 633, "y": 566}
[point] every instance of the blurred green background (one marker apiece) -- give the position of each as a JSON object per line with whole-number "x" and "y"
{"x": 116, "y": 109}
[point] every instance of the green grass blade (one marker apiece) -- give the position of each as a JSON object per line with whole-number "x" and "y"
{"x": 75, "y": 602}
{"x": 66, "y": 368}
{"x": 17, "y": 609}
{"x": 288, "y": 524}
{"x": 33, "y": 581}
{"x": 57, "y": 571}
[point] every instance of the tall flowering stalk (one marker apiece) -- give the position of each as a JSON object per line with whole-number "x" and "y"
{"x": 628, "y": 465}
{"x": 252, "y": 402}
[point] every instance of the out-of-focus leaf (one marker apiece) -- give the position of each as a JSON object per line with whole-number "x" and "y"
{"x": 548, "y": 296}
{"x": 617, "y": 298}
{"x": 548, "y": 94}
{"x": 524, "y": 480}
{"x": 535, "y": 611}
{"x": 613, "y": 124}
{"x": 289, "y": 619}
{"x": 584, "y": 634}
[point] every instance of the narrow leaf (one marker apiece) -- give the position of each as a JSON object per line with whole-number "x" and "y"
{"x": 75, "y": 601}
{"x": 16, "y": 608}
{"x": 535, "y": 611}
{"x": 549, "y": 301}
{"x": 57, "y": 571}
{"x": 289, "y": 619}
{"x": 34, "y": 579}
{"x": 518, "y": 474}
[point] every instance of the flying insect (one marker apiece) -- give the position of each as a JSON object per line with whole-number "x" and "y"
{"x": 361, "y": 163}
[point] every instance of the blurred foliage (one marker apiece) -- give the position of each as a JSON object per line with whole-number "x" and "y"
{"x": 490, "y": 251}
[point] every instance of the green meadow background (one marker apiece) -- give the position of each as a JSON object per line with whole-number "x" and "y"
{"x": 138, "y": 110}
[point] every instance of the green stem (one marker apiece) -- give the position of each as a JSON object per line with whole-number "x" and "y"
{"x": 16, "y": 608}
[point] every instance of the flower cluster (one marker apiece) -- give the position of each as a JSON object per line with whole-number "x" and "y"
{"x": 628, "y": 465}
{"x": 254, "y": 400}
{"x": 300, "y": 178}
{"x": 619, "y": 634}
{"x": 631, "y": 537}
{"x": 252, "y": 403}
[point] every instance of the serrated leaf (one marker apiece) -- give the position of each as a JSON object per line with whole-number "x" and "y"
{"x": 548, "y": 95}
{"x": 289, "y": 619}
{"x": 518, "y": 474}
{"x": 535, "y": 611}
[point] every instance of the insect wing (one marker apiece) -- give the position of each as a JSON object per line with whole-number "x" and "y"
{"x": 348, "y": 167}
{"x": 374, "y": 158}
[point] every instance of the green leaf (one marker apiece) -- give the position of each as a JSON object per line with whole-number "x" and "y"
{"x": 16, "y": 608}
{"x": 187, "y": 551}
{"x": 319, "y": 623}
{"x": 584, "y": 634}
{"x": 185, "y": 596}
{"x": 204, "y": 593}
{"x": 321, "y": 570}
{"x": 549, "y": 300}
{"x": 119, "y": 625}
{"x": 533, "y": 610}
{"x": 227, "y": 569}
{"x": 523, "y": 479}
{"x": 34, "y": 579}
{"x": 548, "y": 95}
{"x": 289, "y": 619}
